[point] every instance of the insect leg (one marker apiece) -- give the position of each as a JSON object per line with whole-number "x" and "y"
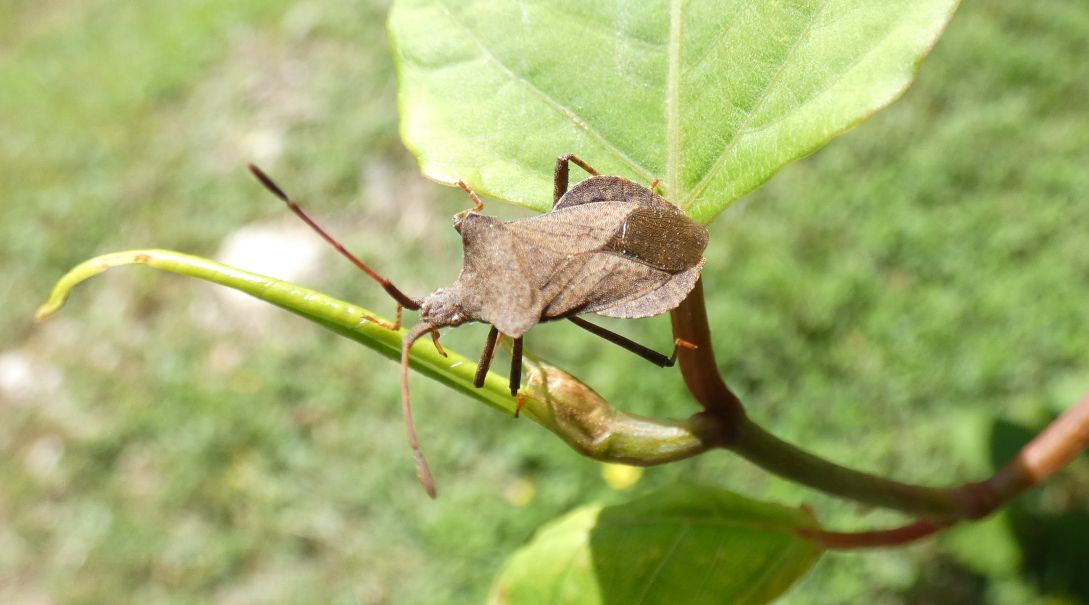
{"x": 423, "y": 473}
{"x": 477, "y": 204}
{"x": 392, "y": 290}
{"x": 438, "y": 346}
{"x": 394, "y": 325}
{"x": 519, "y": 401}
{"x": 559, "y": 181}
{"x": 645, "y": 352}
{"x": 486, "y": 358}
{"x": 516, "y": 366}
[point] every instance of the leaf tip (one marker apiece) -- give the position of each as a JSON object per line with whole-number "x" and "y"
{"x": 47, "y": 310}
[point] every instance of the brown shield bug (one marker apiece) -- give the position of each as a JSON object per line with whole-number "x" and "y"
{"x": 608, "y": 246}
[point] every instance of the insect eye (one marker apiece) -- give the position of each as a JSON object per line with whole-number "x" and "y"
{"x": 458, "y": 219}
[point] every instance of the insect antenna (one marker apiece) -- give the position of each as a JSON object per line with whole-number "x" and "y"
{"x": 391, "y": 289}
{"x": 423, "y": 472}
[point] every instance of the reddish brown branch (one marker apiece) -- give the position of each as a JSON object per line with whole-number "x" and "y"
{"x": 1052, "y": 449}
{"x": 725, "y": 424}
{"x": 700, "y": 371}
{"x": 882, "y": 538}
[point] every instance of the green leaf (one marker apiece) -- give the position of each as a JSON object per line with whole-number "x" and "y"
{"x": 712, "y": 97}
{"x": 684, "y": 544}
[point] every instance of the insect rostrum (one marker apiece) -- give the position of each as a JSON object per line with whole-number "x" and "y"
{"x": 608, "y": 246}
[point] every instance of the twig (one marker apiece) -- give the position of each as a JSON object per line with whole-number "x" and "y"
{"x": 725, "y": 424}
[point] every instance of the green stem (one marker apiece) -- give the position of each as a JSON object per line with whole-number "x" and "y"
{"x": 556, "y": 400}
{"x": 726, "y": 425}
{"x": 339, "y": 316}
{"x": 775, "y": 455}
{"x": 726, "y": 417}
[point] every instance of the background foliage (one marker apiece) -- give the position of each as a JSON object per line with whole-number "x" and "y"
{"x": 880, "y": 302}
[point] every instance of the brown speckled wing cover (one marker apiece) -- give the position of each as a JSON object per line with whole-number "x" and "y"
{"x": 609, "y": 246}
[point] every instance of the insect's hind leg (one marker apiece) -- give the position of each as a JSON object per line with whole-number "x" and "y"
{"x": 563, "y": 169}
{"x": 645, "y": 352}
{"x": 516, "y": 374}
{"x": 516, "y": 366}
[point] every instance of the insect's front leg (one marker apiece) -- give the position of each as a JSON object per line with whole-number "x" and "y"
{"x": 442, "y": 351}
{"x": 394, "y": 325}
{"x": 563, "y": 169}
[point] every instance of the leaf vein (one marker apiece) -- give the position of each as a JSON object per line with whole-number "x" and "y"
{"x": 673, "y": 100}
{"x": 661, "y": 564}
{"x": 765, "y": 94}
{"x": 828, "y": 84}
{"x": 719, "y": 548}
{"x": 785, "y": 556}
{"x": 562, "y": 109}
{"x": 723, "y": 34}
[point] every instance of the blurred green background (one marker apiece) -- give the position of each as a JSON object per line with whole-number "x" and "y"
{"x": 912, "y": 300}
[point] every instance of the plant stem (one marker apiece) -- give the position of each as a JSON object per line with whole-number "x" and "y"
{"x": 699, "y": 369}
{"x": 567, "y": 407}
{"x": 554, "y": 399}
{"x": 773, "y": 454}
{"x": 726, "y": 425}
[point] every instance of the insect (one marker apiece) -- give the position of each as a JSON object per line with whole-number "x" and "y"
{"x": 608, "y": 246}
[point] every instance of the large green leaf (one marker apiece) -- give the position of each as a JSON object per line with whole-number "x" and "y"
{"x": 684, "y": 544}
{"x": 710, "y": 96}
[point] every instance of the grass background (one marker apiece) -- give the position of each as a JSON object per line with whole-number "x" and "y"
{"x": 911, "y": 300}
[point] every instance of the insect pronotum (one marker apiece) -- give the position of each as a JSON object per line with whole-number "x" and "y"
{"x": 608, "y": 246}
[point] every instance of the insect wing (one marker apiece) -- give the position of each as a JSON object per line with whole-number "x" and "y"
{"x": 663, "y": 298}
{"x": 493, "y": 277}
{"x": 662, "y": 237}
{"x": 653, "y": 231}
{"x": 603, "y": 188}
{"x": 609, "y": 246}
{"x": 602, "y": 280}
{"x": 572, "y": 230}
